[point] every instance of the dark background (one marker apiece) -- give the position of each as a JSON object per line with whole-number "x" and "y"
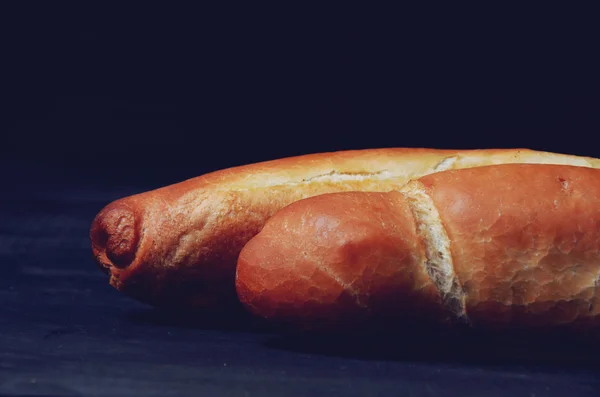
{"x": 181, "y": 90}
{"x": 105, "y": 100}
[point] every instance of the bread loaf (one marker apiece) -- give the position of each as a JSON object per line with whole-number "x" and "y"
{"x": 501, "y": 246}
{"x": 177, "y": 246}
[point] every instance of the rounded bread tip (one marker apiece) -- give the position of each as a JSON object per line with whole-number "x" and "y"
{"x": 114, "y": 236}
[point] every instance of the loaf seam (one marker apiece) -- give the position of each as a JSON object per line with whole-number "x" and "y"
{"x": 434, "y": 237}
{"x": 458, "y": 159}
{"x": 445, "y": 164}
{"x": 333, "y": 176}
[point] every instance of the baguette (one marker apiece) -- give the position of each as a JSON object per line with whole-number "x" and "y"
{"x": 177, "y": 246}
{"x": 510, "y": 246}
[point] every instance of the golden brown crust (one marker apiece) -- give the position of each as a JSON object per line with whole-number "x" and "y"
{"x": 524, "y": 242}
{"x": 187, "y": 236}
{"x": 338, "y": 257}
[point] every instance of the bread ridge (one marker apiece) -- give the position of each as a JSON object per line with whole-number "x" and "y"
{"x": 351, "y": 257}
{"x": 365, "y": 165}
{"x": 432, "y": 233}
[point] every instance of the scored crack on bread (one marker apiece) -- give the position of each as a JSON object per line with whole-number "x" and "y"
{"x": 502, "y": 246}
{"x": 177, "y": 246}
{"x": 525, "y": 241}
{"x": 433, "y": 236}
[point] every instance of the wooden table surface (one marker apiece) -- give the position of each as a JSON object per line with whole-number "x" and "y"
{"x": 66, "y": 332}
